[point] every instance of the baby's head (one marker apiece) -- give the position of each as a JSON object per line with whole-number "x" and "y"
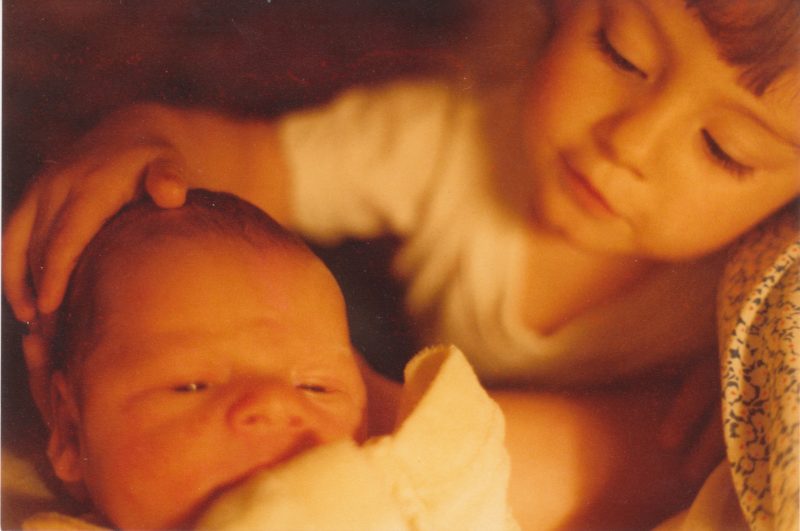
{"x": 197, "y": 346}
{"x": 661, "y": 129}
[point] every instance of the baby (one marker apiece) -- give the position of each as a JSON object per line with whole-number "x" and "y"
{"x": 167, "y": 391}
{"x": 170, "y": 386}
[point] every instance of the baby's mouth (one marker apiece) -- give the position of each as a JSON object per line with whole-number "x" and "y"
{"x": 303, "y": 444}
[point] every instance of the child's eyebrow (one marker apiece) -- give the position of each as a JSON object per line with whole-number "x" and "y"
{"x": 770, "y": 122}
{"x": 784, "y": 137}
{"x": 775, "y": 129}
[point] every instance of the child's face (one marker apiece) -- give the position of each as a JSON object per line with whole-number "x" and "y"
{"x": 642, "y": 141}
{"x": 213, "y": 361}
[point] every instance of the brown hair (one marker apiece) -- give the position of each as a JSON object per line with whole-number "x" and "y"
{"x": 762, "y": 37}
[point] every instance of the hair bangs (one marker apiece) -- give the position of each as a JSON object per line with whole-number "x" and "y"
{"x": 760, "y": 37}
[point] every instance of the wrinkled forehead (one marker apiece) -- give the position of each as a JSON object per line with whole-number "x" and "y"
{"x": 289, "y": 271}
{"x": 193, "y": 292}
{"x": 147, "y": 269}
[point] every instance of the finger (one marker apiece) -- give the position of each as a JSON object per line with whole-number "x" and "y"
{"x": 55, "y": 191}
{"x": 63, "y": 249}
{"x": 16, "y": 241}
{"x": 708, "y": 451}
{"x": 35, "y": 348}
{"x": 165, "y": 183}
{"x": 82, "y": 216}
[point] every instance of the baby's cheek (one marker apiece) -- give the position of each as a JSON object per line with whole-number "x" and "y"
{"x": 341, "y": 414}
{"x": 171, "y": 476}
{"x": 348, "y": 423}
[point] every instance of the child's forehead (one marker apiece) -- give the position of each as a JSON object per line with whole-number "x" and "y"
{"x": 693, "y": 31}
{"x": 760, "y": 38}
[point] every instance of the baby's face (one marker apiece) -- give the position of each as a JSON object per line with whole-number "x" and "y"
{"x": 214, "y": 361}
{"x": 641, "y": 140}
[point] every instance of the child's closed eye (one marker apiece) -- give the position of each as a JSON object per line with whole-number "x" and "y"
{"x": 603, "y": 44}
{"x": 315, "y": 388}
{"x": 721, "y": 157}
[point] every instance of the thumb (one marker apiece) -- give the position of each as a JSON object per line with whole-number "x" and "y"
{"x": 165, "y": 183}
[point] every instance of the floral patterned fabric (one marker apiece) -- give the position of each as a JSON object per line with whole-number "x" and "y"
{"x": 759, "y": 318}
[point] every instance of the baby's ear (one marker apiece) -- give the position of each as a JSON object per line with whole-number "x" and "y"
{"x": 63, "y": 448}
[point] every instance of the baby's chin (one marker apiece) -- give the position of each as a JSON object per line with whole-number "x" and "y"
{"x": 303, "y": 445}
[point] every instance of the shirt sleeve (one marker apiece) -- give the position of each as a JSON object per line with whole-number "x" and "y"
{"x": 360, "y": 164}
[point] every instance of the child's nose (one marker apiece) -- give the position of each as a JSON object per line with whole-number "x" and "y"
{"x": 268, "y": 406}
{"x": 640, "y": 130}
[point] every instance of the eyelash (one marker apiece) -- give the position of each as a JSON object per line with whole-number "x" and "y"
{"x": 191, "y": 387}
{"x": 198, "y": 387}
{"x": 605, "y": 47}
{"x": 314, "y": 388}
{"x": 719, "y": 155}
{"x": 723, "y": 159}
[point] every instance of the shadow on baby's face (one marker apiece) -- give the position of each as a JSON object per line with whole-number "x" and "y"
{"x": 213, "y": 360}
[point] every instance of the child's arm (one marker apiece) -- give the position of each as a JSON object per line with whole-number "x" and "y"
{"x": 550, "y": 439}
{"x": 175, "y": 149}
{"x": 584, "y": 460}
{"x": 592, "y": 459}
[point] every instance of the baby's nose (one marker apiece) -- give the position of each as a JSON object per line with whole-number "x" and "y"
{"x": 269, "y": 406}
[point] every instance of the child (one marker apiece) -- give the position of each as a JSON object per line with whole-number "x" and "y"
{"x": 582, "y": 245}
{"x": 202, "y": 345}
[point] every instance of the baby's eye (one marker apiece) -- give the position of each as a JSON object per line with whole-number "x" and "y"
{"x": 602, "y": 43}
{"x": 191, "y": 387}
{"x": 314, "y": 388}
{"x": 723, "y": 159}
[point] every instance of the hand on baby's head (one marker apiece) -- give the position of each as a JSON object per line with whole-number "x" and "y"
{"x": 208, "y": 357}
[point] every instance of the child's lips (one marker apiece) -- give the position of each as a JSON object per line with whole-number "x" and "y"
{"x": 584, "y": 193}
